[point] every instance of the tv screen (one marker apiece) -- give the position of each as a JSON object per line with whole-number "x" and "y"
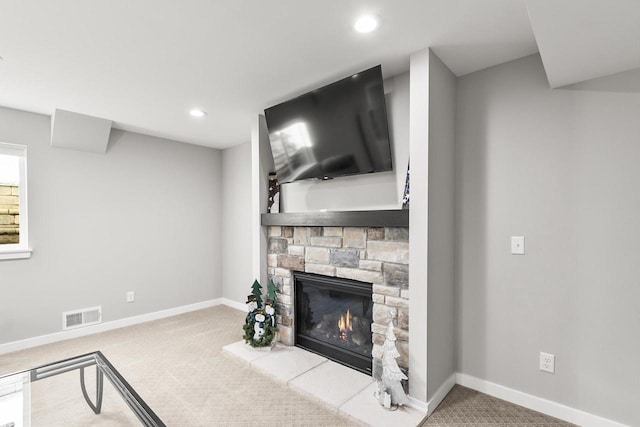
{"x": 337, "y": 130}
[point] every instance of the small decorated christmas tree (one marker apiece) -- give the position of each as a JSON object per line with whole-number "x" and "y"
{"x": 271, "y": 292}
{"x": 256, "y": 290}
{"x": 390, "y": 393}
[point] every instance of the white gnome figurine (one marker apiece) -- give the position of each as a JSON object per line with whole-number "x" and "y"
{"x": 391, "y": 373}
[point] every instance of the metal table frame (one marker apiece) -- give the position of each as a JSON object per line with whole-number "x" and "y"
{"x": 103, "y": 368}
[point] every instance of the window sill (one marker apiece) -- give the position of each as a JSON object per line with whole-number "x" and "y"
{"x": 15, "y": 254}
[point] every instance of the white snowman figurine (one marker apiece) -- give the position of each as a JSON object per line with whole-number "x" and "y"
{"x": 258, "y": 327}
{"x": 258, "y": 331}
{"x": 251, "y": 306}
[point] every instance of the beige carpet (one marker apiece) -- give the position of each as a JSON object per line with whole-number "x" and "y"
{"x": 466, "y": 407}
{"x": 178, "y": 367}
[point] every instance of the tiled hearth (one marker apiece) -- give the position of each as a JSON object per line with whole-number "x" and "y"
{"x": 341, "y": 389}
{"x": 377, "y": 255}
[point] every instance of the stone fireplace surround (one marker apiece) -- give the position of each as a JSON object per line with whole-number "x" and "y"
{"x": 378, "y": 255}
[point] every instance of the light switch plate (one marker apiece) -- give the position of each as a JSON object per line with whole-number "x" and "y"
{"x": 517, "y": 245}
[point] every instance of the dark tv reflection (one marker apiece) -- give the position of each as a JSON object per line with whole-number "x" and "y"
{"x": 340, "y": 129}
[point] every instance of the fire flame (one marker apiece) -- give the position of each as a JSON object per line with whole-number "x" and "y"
{"x": 344, "y": 324}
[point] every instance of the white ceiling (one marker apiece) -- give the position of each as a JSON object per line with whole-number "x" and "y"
{"x": 145, "y": 63}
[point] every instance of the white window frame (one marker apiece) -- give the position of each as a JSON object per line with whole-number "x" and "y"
{"x": 18, "y": 250}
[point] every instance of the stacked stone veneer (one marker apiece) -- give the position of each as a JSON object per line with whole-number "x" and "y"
{"x": 369, "y": 254}
{"x": 9, "y": 214}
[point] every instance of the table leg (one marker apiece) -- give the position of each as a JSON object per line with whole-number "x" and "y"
{"x": 99, "y": 388}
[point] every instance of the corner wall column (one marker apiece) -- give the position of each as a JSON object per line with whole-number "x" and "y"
{"x": 418, "y": 222}
{"x": 261, "y": 165}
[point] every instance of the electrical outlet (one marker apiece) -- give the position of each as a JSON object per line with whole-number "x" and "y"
{"x": 517, "y": 245}
{"x": 547, "y": 362}
{"x": 131, "y": 296}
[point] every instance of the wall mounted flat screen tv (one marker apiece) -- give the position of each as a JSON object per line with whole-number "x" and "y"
{"x": 336, "y": 130}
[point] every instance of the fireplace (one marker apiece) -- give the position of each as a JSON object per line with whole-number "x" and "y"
{"x": 333, "y": 318}
{"x": 377, "y": 255}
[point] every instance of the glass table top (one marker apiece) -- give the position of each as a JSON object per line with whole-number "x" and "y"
{"x": 72, "y": 392}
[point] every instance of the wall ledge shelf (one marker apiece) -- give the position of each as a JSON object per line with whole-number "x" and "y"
{"x": 377, "y": 218}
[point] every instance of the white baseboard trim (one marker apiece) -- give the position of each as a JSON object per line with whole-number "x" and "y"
{"x": 418, "y": 404}
{"x": 441, "y": 393}
{"x": 234, "y": 304}
{"x": 438, "y": 397}
{"x": 106, "y": 326}
{"x": 535, "y": 403}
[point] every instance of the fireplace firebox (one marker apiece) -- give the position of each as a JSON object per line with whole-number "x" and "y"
{"x": 333, "y": 318}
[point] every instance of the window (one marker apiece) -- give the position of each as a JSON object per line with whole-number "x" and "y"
{"x": 14, "y": 236}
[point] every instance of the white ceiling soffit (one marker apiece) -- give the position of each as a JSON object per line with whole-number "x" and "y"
{"x": 586, "y": 39}
{"x": 79, "y": 132}
{"x": 625, "y": 82}
{"x": 145, "y": 64}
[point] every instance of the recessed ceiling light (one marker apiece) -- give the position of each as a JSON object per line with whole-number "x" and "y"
{"x": 366, "y": 24}
{"x": 197, "y": 113}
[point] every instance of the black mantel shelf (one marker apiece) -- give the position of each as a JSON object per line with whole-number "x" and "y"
{"x": 384, "y": 218}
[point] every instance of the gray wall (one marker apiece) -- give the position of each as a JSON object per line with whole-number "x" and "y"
{"x": 440, "y": 266}
{"x": 237, "y": 274}
{"x": 383, "y": 190}
{"x": 561, "y": 168}
{"x": 143, "y": 217}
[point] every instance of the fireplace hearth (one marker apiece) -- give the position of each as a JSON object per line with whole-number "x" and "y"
{"x": 333, "y": 318}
